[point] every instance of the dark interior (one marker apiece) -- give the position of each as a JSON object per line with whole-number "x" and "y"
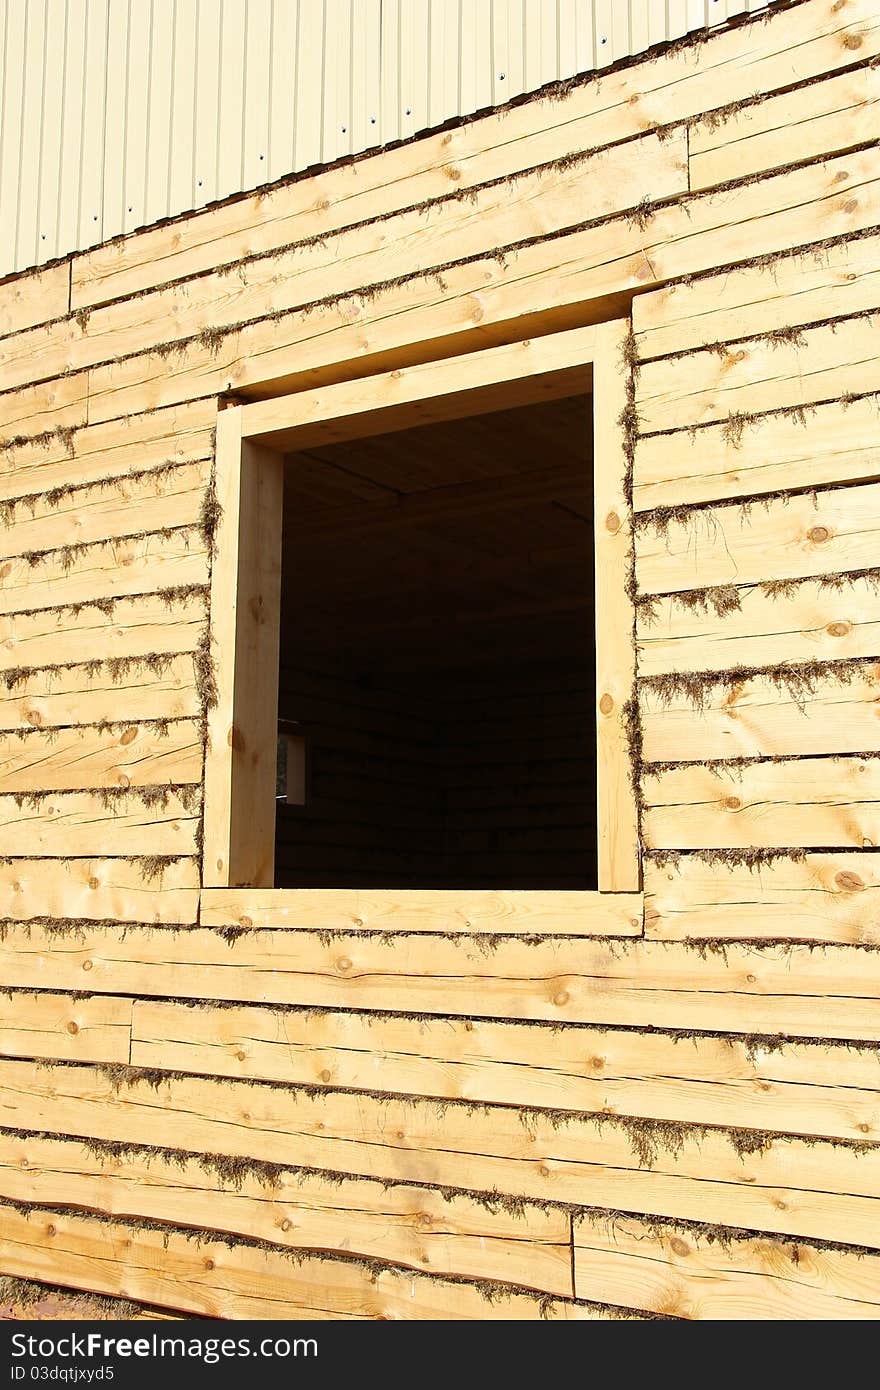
{"x": 437, "y": 655}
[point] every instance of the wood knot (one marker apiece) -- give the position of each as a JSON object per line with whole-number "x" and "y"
{"x": 612, "y": 523}
{"x": 597, "y": 1063}
{"x": 240, "y": 1056}
{"x": 73, "y": 1028}
{"x": 128, "y": 736}
{"x": 848, "y": 882}
{"x": 561, "y": 998}
{"x": 343, "y": 964}
{"x": 864, "y": 1129}
{"x": 33, "y": 716}
{"x": 325, "y": 1076}
{"x": 209, "y": 1263}
{"x": 606, "y": 704}
{"x": 286, "y": 1224}
{"x": 679, "y": 1246}
{"x": 544, "y": 1171}
{"x": 751, "y": 979}
{"x": 246, "y": 922}
{"x": 852, "y": 41}
{"x": 850, "y": 205}
{"x": 51, "y": 1230}
{"x": 357, "y": 921}
{"x": 468, "y": 1026}
{"x": 94, "y": 882}
{"x": 452, "y": 173}
{"x": 818, "y": 534}
{"x": 87, "y": 965}
{"x": 322, "y": 205}
{"x": 732, "y": 803}
{"x": 838, "y": 629}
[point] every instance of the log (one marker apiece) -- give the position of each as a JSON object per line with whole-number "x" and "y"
{"x": 539, "y": 202}
{"x": 600, "y": 264}
{"x": 162, "y": 689}
{"x": 206, "y": 1278}
{"x": 414, "y": 1227}
{"x": 806, "y": 802}
{"x": 798, "y": 289}
{"x": 94, "y": 452}
{"x": 98, "y": 890}
{"x": 116, "y": 569}
{"x": 81, "y": 758}
{"x": 82, "y": 824}
{"x": 744, "y": 378}
{"x": 836, "y": 443}
{"x": 763, "y": 715}
{"x": 561, "y": 913}
{"x": 813, "y": 621}
{"x": 699, "y": 1080}
{"x": 809, "y": 122}
{"x": 645, "y": 984}
{"x": 682, "y": 1273}
{"x": 134, "y": 627}
{"x": 97, "y": 1029}
{"x": 785, "y": 1185}
{"x": 787, "y": 538}
{"x": 157, "y": 500}
{"x": 821, "y": 897}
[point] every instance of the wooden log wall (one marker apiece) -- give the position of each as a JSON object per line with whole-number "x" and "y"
{"x": 490, "y": 1105}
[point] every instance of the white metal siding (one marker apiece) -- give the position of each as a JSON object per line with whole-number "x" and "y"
{"x": 117, "y": 113}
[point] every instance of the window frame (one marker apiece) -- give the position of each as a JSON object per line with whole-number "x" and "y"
{"x": 251, "y": 439}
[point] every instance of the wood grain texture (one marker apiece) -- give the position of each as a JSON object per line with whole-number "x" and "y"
{"x": 138, "y": 626}
{"x": 97, "y": 1029}
{"x": 81, "y": 758}
{"x": 414, "y": 1227}
{"x": 164, "y": 689}
{"x": 833, "y": 993}
{"x": 805, "y": 287}
{"x": 617, "y": 814}
{"x": 760, "y": 716}
{"x": 82, "y": 824}
{"x": 787, "y": 538}
{"x": 164, "y": 498}
{"x": 241, "y": 754}
{"x": 115, "y": 569}
{"x": 837, "y": 443}
{"x": 807, "y": 802}
{"x": 32, "y": 410}
{"x": 806, "y": 123}
{"x": 100, "y": 890}
{"x": 602, "y": 263}
{"x": 206, "y": 1278}
{"x": 822, "y": 897}
{"x": 562, "y": 913}
{"x": 811, "y": 622}
{"x": 787, "y": 1185}
{"x": 701, "y": 1080}
{"x": 34, "y": 297}
{"x": 682, "y": 1274}
{"x": 94, "y": 452}
{"x": 822, "y": 364}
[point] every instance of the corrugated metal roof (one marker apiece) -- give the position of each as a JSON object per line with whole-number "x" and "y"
{"x": 117, "y": 113}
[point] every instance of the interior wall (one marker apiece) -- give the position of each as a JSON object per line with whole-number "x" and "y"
{"x": 482, "y": 780}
